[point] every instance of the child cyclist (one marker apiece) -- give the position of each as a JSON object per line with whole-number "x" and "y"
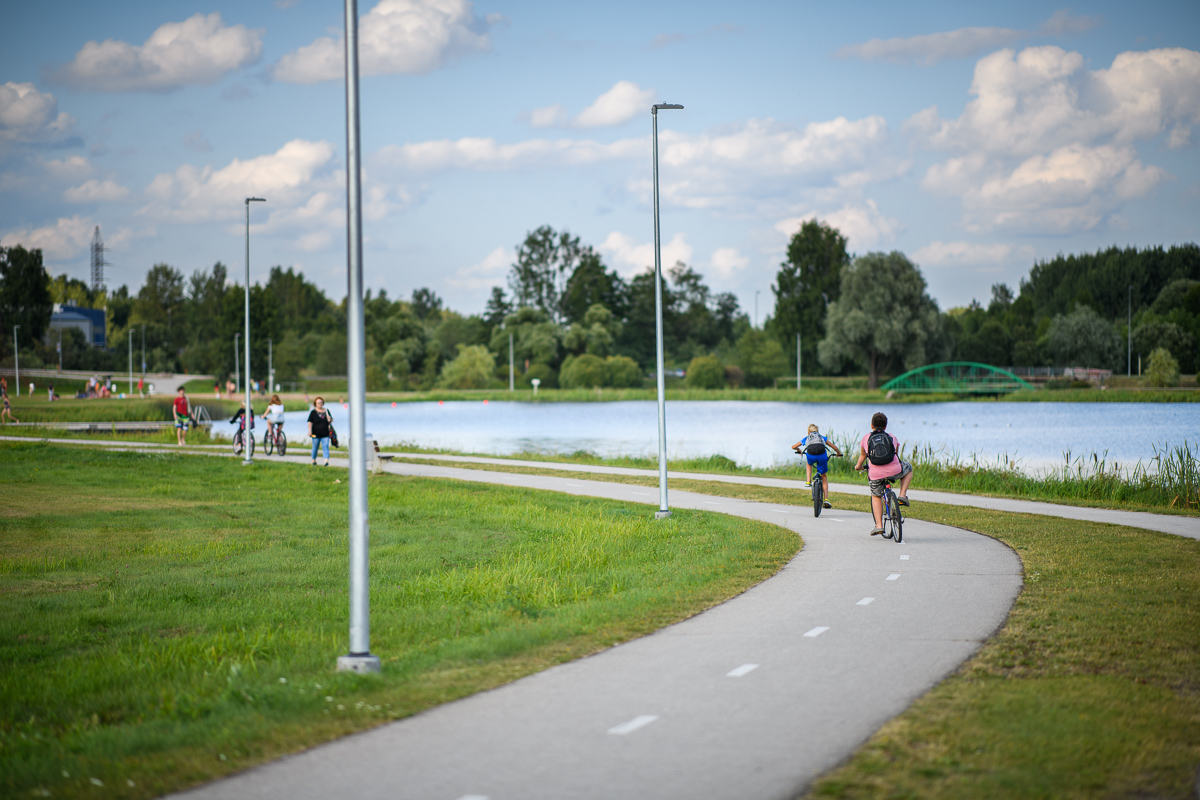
{"x": 880, "y": 451}
{"x": 815, "y": 449}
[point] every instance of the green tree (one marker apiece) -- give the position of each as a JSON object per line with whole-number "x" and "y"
{"x": 1156, "y": 333}
{"x": 426, "y": 303}
{"x": 1163, "y": 369}
{"x": 582, "y": 372}
{"x": 705, "y": 372}
{"x": 589, "y": 285}
{"x": 761, "y": 359}
{"x": 807, "y": 282}
{"x": 545, "y": 262}
{"x": 1084, "y": 339}
{"x": 331, "y": 356}
{"x": 622, "y": 372}
{"x": 883, "y": 313}
{"x": 24, "y": 294}
{"x": 535, "y": 338}
{"x": 472, "y": 368}
{"x": 161, "y": 293}
{"x": 596, "y": 333}
{"x": 497, "y": 308}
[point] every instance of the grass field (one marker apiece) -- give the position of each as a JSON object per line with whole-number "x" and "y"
{"x": 167, "y": 619}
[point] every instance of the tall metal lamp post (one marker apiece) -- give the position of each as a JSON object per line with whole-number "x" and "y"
{"x": 131, "y": 361}
{"x": 237, "y": 369}
{"x": 249, "y": 459}
{"x": 16, "y": 360}
{"x": 664, "y": 510}
{"x": 359, "y": 659}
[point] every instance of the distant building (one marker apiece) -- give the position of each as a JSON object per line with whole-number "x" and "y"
{"x": 91, "y": 322}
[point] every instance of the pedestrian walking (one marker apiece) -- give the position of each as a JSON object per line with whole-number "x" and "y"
{"x": 319, "y": 422}
{"x": 183, "y": 412}
{"x": 7, "y": 412}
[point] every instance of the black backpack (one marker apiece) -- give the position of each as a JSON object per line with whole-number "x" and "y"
{"x": 881, "y": 450}
{"x": 815, "y": 446}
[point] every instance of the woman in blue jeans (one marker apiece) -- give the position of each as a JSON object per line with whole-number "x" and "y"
{"x": 319, "y": 421}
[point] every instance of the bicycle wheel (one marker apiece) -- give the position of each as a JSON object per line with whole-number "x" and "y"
{"x": 237, "y": 443}
{"x": 889, "y": 503}
{"x": 898, "y": 523}
{"x": 818, "y": 496}
{"x": 281, "y": 442}
{"x": 267, "y": 443}
{"x": 251, "y": 438}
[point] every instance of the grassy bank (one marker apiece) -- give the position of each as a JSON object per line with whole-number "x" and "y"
{"x": 1170, "y": 484}
{"x": 165, "y": 620}
{"x": 134, "y": 409}
{"x": 1091, "y": 689}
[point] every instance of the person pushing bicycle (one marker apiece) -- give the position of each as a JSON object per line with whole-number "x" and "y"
{"x": 815, "y": 449}
{"x": 881, "y": 451}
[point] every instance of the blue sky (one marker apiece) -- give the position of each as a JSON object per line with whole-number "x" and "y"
{"x": 976, "y": 138}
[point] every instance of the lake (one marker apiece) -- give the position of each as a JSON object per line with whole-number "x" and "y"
{"x": 760, "y": 433}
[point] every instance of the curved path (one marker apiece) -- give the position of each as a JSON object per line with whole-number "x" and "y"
{"x": 751, "y": 699}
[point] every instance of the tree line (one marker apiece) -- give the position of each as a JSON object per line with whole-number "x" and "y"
{"x": 573, "y": 322}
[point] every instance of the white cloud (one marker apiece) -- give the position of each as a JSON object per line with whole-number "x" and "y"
{"x": 67, "y": 237}
{"x": 618, "y": 105}
{"x": 69, "y": 168}
{"x": 930, "y": 48}
{"x": 488, "y": 154}
{"x": 631, "y": 257}
{"x": 27, "y": 115}
{"x": 969, "y": 254}
{"x": 491, "y": 271}
{"x": 95, "y": 191}
{"x": 1047, "y": 146}
{"x": 726, "y": 261}
{"x": 196, "y": 52}
{"x": 394, "y": 37}
{"x": 863, "y": 225}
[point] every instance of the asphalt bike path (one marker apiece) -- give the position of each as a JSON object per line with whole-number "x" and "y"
{"x": 751, "y": 699}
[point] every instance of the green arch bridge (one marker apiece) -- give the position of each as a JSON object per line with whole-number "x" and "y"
{"x": 956, "y": 377}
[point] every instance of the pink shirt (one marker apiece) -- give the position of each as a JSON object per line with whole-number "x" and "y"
{"x": 887, "y": 470}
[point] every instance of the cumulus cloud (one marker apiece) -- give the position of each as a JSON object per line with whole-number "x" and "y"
{"x": 930, "y": 48}
{"x": 1046, "y": 145}
{"x": 96, "y": 191}
{"x": 491, "y": 271}
{"x": 618, "y": 105}
{"x": 395, "y": 37}
{"x": 195, "y": 52}
{"x": 67, "y": 237}
{"x": 969, "y": 254}
{"x": 863, "y": 225}
{"x": 489, "y": 155}
{"x": 726, "y": 261}
{"x": 30, "y": 116}
{"x": 631, "y": 257}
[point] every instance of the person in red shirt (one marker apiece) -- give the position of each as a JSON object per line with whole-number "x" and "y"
{"x": 183, "y": 411}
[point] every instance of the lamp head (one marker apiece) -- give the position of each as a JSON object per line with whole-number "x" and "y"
{"x": 250, "y": 200}
{"x": 654, "y": 108}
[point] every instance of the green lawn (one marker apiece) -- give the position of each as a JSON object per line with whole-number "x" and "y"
{"x": 167, "y": 619}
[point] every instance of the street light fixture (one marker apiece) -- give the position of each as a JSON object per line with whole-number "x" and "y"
{"x": 663, "y": 510}
{"x": 249, "y": 459}
{"x": 359, "y": 659}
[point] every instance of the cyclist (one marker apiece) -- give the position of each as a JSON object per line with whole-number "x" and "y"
{"x": 182, "y": 408}
{"x": 274, "y": 414}
{"x": 815, "y": 449}
{"x": 881, "y": 451}
{"x": 240, "y": 415}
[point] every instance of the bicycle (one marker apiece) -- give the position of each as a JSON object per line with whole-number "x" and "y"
{"x": 893, "y": 517}
{"x": 237, "y": 443}
{"x": 818, "y": 489}
{"x": 275, "y": 439}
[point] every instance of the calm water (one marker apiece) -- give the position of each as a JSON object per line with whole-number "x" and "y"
{"x": 759, "y": 433}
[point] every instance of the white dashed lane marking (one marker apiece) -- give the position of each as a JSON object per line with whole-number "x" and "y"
{"x": 633, "y": 725}
{"x": 893, "y": 576}
{"x": 904, "y": 558}
{"x": 744, "y": 669}
{"x": 866, "y": 601}
{"x": 817, "y": 631}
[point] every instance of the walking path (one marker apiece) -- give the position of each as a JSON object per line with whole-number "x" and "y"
{"x": 751, "y": 699}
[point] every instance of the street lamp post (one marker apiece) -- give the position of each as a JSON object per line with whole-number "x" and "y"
{"x": 664, "y": 510}
{"x": 359, "y": 659}
{"x": 237, "y": 370}
{"x": 797, "y": 362}
{"x": 270, "y": 365}
{"x": 249, "y": 459}
{"x": 143, "y": 350}
{"x": 1129, "y": 336}
{"x": 511, "y": 371}
{"x": 131, "y": 362}
{"x": 17, "y": 360}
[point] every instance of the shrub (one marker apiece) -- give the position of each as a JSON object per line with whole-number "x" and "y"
{"x": 472, "y": 368}
{"x": 377, "y": 379}
{"x": 1163, "y": 369}
{"x": 705, "y": 372}
{"x": 734, "y": 376}
{"x": 583, "y": 372}
{"x": 622, "y": 372}
{"x": 543, "y": 372}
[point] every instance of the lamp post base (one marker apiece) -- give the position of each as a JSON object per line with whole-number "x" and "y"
{"x": 246, "y": 462}
{"x": 661, "y": 514}
{"x": 364, "y": 662}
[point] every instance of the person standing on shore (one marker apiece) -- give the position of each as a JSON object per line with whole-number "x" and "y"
{"x": 319, "y": 420}
{"x": 183, "y": 410}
